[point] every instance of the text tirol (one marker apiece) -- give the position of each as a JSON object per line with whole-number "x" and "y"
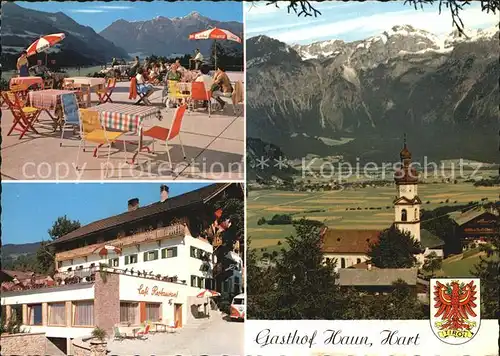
{"x": 156, "y": 291}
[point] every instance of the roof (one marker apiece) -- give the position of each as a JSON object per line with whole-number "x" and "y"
{"x": 201, "y": 195}
{"x": 20, "y": 275}
{"x": 376, "y": 277}
{"x": 429, "y": 240}
{"x": 349, "y": 241}
{"x": 464, "y": 218}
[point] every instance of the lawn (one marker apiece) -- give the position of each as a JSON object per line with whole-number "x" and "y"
{"x": 372, "y": 206}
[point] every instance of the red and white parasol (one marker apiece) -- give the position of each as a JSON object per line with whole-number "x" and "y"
{"x": 208, "y": 293}
{"x": 44, "y": 43}
{"x": 215, "y": 34}
{"x": 103, "y": 251}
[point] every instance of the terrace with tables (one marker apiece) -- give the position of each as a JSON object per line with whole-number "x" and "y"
{"x": 96, "y": 128}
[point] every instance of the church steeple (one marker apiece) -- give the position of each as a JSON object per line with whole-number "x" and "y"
{"x": 407, "y": 202}
{"x": 406, "y": 174}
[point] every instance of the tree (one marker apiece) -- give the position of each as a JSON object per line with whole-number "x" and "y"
{"x": 400, "y": 304}
{"x": 306, "y": 9}
{"x": 45, "y": 255}
{"x": 261, "y": 221}
{"x": 441, "y": 225}
{"x": 488, "y": 270}
{"x": 304, "y": 286}
{"x": 432, "y": 263}
{"x": 394, "y": 249}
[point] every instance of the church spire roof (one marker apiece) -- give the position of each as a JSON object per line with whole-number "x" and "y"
{"x": 405, "y": 153}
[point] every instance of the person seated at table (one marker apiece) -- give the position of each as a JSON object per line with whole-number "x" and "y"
{"x": 174, "y": 74}
{"x": 22, "y": 64}
{"x": 143, "y": 87}
{"x": 198, "y": 59}
{"x": 135, "y": 66}
{"x": 222, "y": 86}
{"x": 154, "y": 75}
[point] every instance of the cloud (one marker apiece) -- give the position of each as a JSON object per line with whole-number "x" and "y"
{"x": 362, "y": 26}
{"x": 87, "y": 11}
{"x": 114, "y": 7}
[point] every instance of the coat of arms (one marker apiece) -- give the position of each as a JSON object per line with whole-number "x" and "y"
{"x": 455, "y": 309}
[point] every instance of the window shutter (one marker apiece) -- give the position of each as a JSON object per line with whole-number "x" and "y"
{"x": 127, "y": 260}
{"x": 156, "y": 254}
{"x": 174, "y": 252}
{"x": 145, "y": 257}
{"x": 164, "y": 253}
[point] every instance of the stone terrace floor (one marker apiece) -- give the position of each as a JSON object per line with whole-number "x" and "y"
{"x": 214, "y": 149}
{"x": 218, "y": 336}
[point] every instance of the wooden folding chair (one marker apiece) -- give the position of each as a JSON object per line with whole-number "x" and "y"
{"x": 48, "y": 83}
{"x": 164, "y": 134}
{"x": 105, "y": 93}
{"x": 134, "y": 93}
{"x": 24, "y": 116}
{"x": 174, "y": 92}
{"x": 83, "y": 96}
{"x": 92, "y": 130}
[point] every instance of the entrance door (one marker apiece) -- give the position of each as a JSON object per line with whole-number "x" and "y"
{"x": 178, "y": 315}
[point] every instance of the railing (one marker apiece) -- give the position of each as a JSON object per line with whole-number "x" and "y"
{"x": 83, "y": 275}
{"x": 153, "y": 235}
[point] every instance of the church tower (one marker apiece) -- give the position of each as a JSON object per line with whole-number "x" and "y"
{"x": 407, "y": 203}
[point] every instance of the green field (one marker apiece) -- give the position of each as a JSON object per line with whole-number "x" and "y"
{"x": 330, "y": 207}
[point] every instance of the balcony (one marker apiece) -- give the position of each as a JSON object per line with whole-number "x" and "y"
{"x": 168, "y": 232}
{"x": 79, "y": 277}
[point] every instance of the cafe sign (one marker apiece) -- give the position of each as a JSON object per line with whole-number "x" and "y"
{"x": 156, "y": 291}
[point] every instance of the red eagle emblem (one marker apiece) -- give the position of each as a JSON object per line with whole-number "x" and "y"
{"x": 455, "y": 304}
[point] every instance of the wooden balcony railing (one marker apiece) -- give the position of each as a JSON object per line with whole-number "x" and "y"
{"x": 168, "y": 232}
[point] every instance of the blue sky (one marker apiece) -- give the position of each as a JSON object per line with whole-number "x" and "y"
{"x": 351, "y": 21}
{"x": 99, "y": 15}
{"x": 29, "y": 210}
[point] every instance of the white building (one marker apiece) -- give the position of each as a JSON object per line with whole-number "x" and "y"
{"x": 147, "y": 264}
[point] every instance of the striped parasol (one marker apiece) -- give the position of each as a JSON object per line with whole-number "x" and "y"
{"x": 44, "y": 43}
{"x": 208, "y": 293}
{"x": 103, "y": 251}
{"x": 215, "y": 34}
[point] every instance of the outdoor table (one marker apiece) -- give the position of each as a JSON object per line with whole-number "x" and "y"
{"x": 96, "y": 83}
{"x": 28, "y": 81}
{"x": 161, "y": 325}
{"x": 125, "y": 118}
{"x": 49, "y": 99}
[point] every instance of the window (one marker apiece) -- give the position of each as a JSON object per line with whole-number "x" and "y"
{"x": 193, "y": 252}
{"x": 57, "y": 314}
{"x": 129, "y": 313}
{"x": 193, "y": 281}
{"x": 83, "y": 314}
{"x": 16, "y": 312}
{"x": 169, "y": 252}
{"x": 416, "y": 214}
{"x": 404, "y": 215}
{"x": 358, "y": 260}
{"x": 342, "y": 262}
{"x": 131, "y": 259}
{"x": 150, "y": 255}
{"x": 35, "y": 314}
{"x": 70, "y": 269}
{"x": 114, "y": 262}
{"x": 205, "y": 267}
{"x": 153, "y": 311}
{"x": 80, "y": 267}
{"x": 210, "y": 283}
{"x": 200, "y": 282}
{"x": 239, "y": 301}
{"x": 236, "y": 284}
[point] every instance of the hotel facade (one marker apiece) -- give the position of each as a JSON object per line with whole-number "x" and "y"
{"x": 148, "y": 264}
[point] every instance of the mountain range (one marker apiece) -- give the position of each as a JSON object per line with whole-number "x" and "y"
{"x": 165, "y": 36}
{"x": 82, "y": 45}
{"x": 358, "y": 98}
